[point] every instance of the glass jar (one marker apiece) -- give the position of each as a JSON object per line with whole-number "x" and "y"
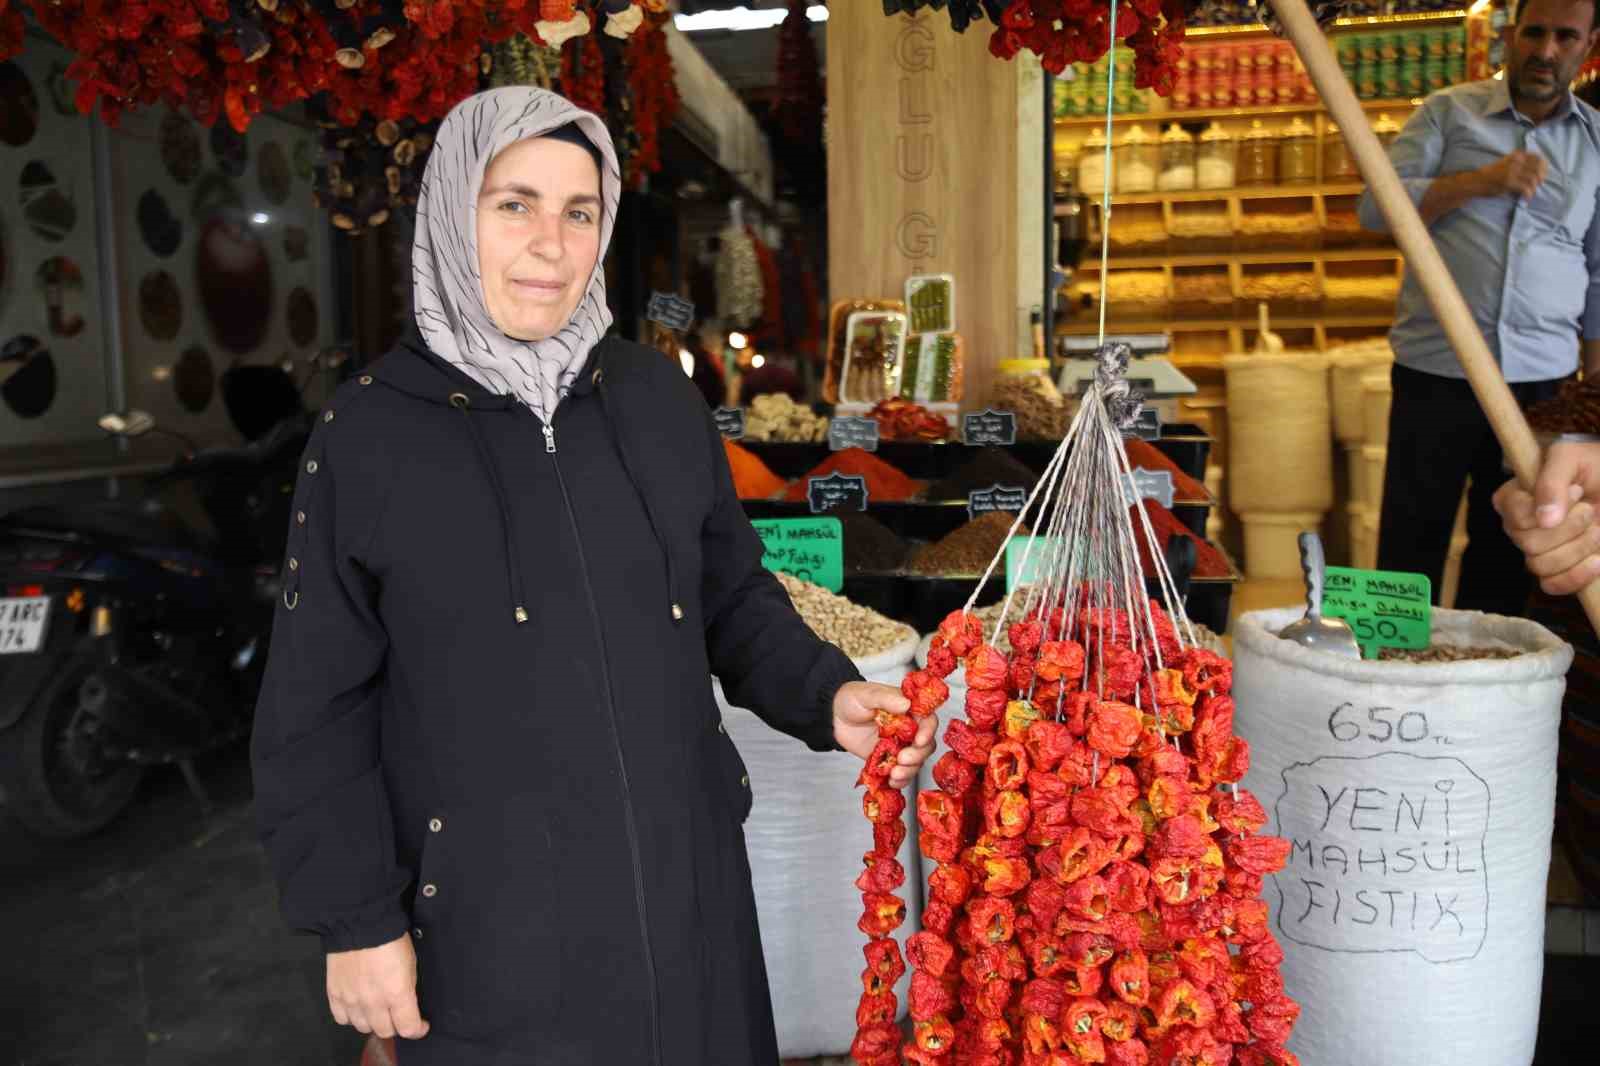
{"x": 1216, "y": 162}
{"x": 1258, "y": 156}
{"x": 1297, "y": 154}
{"x": 1138, "y": 161}
{"x": 1092, "y": 164}
{"x": 1337, "y": 162}
{"x": 1177, "y": 160}
{"x": 1387, "y": 130}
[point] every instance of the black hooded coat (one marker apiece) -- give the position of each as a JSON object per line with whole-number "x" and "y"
{"x": 488, "y": 720}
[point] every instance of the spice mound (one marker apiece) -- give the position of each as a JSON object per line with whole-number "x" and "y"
{"x": 1574, "y": 409}
{"x": 884, "y": 482}
{"x": 968, "y": 551}
{"x": 1208, "y": 560}
{"x": 855, "y": 630}
{"x": 751, "y": 477}
{"x": 991, "y": 466}
{"x": 1040, "y": 408}
{"x": 775, "y": 416}
{"x": 870, "y": 547}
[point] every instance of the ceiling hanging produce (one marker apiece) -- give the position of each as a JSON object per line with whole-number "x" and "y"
{"x": 233, "y": 59}
{"x": 800, "y": 95}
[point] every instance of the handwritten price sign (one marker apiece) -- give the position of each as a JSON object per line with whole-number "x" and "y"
{"x": 1385, "y": 608}
{"x": 812, "y": 549}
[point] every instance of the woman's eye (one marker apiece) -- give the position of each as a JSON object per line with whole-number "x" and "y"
{"x": 579, "y": 215}
{"x": 513, "y": 207}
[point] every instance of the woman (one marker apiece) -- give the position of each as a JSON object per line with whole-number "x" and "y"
{"x": 490, "y": 772}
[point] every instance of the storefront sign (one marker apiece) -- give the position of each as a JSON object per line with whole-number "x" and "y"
{"x": 850, "y": 432}
{"x": 989, "y": 427}
{"x": 837, "y": 492}
{"x": 812, "y": 549}
{"x": 1386, "y": 609}
{"x": 730, "y": 422}
{"x": 671, "y": 311}
{"x": 1009, "y": 498}
{"x": 1140, "y": 484}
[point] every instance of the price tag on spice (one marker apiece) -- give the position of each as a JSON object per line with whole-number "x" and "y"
{"x": 812, "y": 549}
{"x": 1141, "y": 484}
{"x": 1147, "y": 427}
{"x": 730, "y": 422}
{"x": 1385, "y": 608}
{"x": 671, "y": 311}
{"x": 1031, "y": 559}
{"x": 837, "y": 492}
{"x": 989, "y": 427}
{"x": 848, "y": 432}
{"x": 1009, "y": 498}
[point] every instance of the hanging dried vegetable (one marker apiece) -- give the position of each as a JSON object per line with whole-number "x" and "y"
{"x": 369, "y": 172}
{"x": 740, "y": 295}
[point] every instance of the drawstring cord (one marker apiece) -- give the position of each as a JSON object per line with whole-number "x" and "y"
{"x": 644, "y": 497}
{"x": 460, "y": 402}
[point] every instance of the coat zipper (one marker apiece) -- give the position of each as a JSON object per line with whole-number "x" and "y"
{"x": 616, "y": 742}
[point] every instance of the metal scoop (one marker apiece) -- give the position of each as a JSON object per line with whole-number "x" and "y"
{"x": 1332, "y": 635}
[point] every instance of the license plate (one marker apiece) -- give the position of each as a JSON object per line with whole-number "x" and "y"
{"x": 22, "y": 624}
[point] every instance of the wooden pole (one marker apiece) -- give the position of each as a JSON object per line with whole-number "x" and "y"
{"x": 1422, "y": 257}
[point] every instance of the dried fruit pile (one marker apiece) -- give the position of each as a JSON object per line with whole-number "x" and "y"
{"x": 1098, "y": 891}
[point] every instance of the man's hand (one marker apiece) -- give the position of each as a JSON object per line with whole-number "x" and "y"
{"x": 1518, "y": 174}
{"x": 855, "y": 726}
{"x": 375, "y": 990}
{"x": 1555, "y": 526}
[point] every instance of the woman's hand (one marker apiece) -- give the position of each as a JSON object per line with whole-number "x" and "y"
{"x": 374, "y": 990}
{"x": 855, "y": 726}
{"x": 1555, "y": 525}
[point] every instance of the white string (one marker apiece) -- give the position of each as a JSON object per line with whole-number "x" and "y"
{"x": 1105, "y": 192}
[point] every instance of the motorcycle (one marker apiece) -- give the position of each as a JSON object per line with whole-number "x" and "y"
{"x": 134, "y": 633}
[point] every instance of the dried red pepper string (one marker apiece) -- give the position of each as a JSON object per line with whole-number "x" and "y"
{"x": 877, "y": 1036}
{"x": 1125, "y": 924}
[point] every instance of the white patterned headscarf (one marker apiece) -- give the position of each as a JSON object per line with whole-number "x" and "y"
{"x": 449, "y": 304}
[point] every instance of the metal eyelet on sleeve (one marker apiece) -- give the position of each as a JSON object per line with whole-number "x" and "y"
{"x": 327, "y": 416}
{"x": 460, "y": 401}
{"x": 365, "y": 379}
{"x": 311, "y": 466}
{"x": 430, "y": 891}
{"x": 287, "y": 602}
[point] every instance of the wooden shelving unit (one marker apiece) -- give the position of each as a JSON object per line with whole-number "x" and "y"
{"x": 1084, "y": 123}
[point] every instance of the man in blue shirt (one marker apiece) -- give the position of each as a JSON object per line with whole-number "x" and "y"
{"x": 1506, "y": 173}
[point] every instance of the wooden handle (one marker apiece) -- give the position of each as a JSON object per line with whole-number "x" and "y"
{"x": 1422, "y": 257}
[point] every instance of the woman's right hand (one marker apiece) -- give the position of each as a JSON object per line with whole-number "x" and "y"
{"x": 374, "y": 990}
{"x": 1555, "y": 524}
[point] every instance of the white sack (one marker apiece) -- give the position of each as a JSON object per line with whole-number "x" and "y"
{"x": 1419, "y": 801}
{"x": 806, "y": 836}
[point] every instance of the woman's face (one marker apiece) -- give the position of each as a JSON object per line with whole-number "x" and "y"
{"x": 538, "y": 235}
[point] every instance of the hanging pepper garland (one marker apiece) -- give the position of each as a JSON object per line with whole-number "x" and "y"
{"x": 232, "y": 59}
{"x": 653, "y": 99}
{"x": 1097, "y": 890}
{"x": 1063, "y": 32}
{"x": 800, "y": 96}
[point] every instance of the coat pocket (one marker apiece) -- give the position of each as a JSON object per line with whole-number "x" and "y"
{"x": 729, "y": 767}
{"x": 486, "y": 924}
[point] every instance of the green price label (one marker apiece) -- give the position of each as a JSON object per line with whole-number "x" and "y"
{"x": 812, "y": 549}
{"x": 1046, "y": 558}
{"x": 1386, "y": 609}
